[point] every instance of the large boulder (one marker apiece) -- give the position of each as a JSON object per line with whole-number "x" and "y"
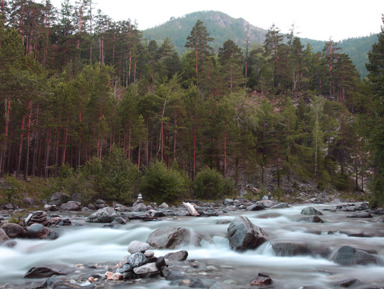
{"x": 13, "y": 230}
{"x": 38, "y": 231}
{"x": 104, "y": 215}
{"x": 291, "y": 249}
{"x": 71, "y": 206}
{"x": 169, "y": 238}
{"x": 139, "y": 207}
{"x": 59, "y": 198}
{"x": 348, "y": 256}
{"x": 3, "y": 236}
{"x": 256, "y": 207}
{"x": 362, "y": 214}
{"x": 244, "y": 235}
{"x": 308, "y": 211}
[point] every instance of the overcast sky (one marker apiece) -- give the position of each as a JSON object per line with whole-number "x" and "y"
{"x": 315, "y": 19}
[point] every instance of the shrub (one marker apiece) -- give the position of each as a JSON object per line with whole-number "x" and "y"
{"x": 161, "y": 184}
{"x": 10, "y": 190}
{"x": 112, "y": 178}
{"x": 209, "y": 184}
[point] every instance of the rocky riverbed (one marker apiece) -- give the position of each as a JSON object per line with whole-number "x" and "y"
{"x": 231, "y": 244}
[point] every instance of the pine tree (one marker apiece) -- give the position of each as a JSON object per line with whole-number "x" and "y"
{"x": 375, "y": 68}
{"x": 198, "y": 40}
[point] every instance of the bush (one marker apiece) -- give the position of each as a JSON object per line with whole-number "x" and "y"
{"x": 161, "y": 184}
{"x": 10, "y": 190}
{"x": 209, "y": 184}
{"x": 112, "y": 178}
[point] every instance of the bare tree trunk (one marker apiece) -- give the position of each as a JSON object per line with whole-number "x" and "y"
{"x": 20, "y": 145}
{"x": 47, "y": 153}
{"x": 26, "y": 165}
{"x": 65, "y": 142}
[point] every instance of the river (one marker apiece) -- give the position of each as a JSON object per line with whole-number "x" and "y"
{"x": 91, "y": 244}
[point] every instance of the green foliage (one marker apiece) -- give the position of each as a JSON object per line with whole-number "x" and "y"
{"x": 209, "y": 184}
{"x": 10, "y": 190}
{"x": 112, "y": 178}
{"x": 161, "y": 184}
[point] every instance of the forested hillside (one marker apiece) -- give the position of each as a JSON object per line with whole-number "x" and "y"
{"x": 86, "y": 101}
{"x": 223, "y": 27}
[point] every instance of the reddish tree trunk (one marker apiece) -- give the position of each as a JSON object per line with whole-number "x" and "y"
{"x": 139, "y": 155}
{"x": 47, "y": 153}
{"x": 129, "y": 139}
{"x": 79, "y": 149}
{"x": 28, "y": 140}
{"x": 57, "y": 142}
{"x": 65, "y": 142}
{"x": 147, "y": 145}
{"x": 225, "y": 154}
{"x": 175, "y": 137}
{"x": 37, "y": 140}
{"x": 20, "y": 145}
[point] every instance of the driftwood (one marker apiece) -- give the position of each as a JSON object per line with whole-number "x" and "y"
{"x": 191, "y": 209}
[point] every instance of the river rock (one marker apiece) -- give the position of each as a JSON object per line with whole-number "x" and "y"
{"x": 311, "y": 219}
{"x": 9, "y": 206}
{"x": 164, "y": 206}
{"x": 291, "y": 249}
{"x": 13, "y": 230}
{"x": 139, "y": 207}
{"x": 149, "y": 269}
{"x": 261, "y": 280}
{"x": 59, "y": 198}
{"x": 348, "y": 256}
{"x": 280, "y": 206}
{"x": 3, "y": 236}
{"x": 71, "y": 206}
{"x": 360, "y": 215}
{"x": 28, "y": 201}
{"x": 188, "y": 282}
{"x": 104, "y": 215}
{"x": 42, "y": 272}
{"x": 169, "y": 238}
{"x": 113, "y": 276}
{"x": 243, "y": 234}
{"x": 39, "y": 217}
{"x": 100, "y": 204}
{"x": 256, "y": 207}
{"x": 52, "y": 208}
{"x": 267, "y": 203}
{"x": 310, "y": 211}
{"x": 380, "y": 219}
{"x": 137, "y": 246}
{"x": 136, "y": 259}
{"x": 38, "y": 231}
{"x": 177, "y": 256}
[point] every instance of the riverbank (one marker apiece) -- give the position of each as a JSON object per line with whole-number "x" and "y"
{"x": 299, "y": 251}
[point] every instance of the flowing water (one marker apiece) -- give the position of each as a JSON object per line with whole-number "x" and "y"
{"x": 92, "y": 244}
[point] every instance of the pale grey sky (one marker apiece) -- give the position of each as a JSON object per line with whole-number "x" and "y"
{"x": 320, "y": 19}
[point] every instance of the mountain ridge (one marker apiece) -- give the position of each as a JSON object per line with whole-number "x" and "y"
{"x": 222, "y": 27}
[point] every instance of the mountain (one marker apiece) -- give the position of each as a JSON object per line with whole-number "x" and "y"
{"x": 223, "y": 27}
{"x": 219, "y": 25}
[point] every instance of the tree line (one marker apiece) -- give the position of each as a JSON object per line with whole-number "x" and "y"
{"x": 74, "y": 85}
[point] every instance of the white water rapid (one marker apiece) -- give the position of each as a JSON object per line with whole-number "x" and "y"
{"x": 92, "y": 244}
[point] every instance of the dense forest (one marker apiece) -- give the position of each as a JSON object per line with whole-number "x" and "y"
{"x": 88, "y": 102}
{"x": 222, "y": 27}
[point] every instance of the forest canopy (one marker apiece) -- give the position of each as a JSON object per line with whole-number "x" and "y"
{"x": 83, "y": 96}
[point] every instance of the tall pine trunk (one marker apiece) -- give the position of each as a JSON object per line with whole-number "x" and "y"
{"x": 20, "y": 145}
{"x": 26, "y": 164}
